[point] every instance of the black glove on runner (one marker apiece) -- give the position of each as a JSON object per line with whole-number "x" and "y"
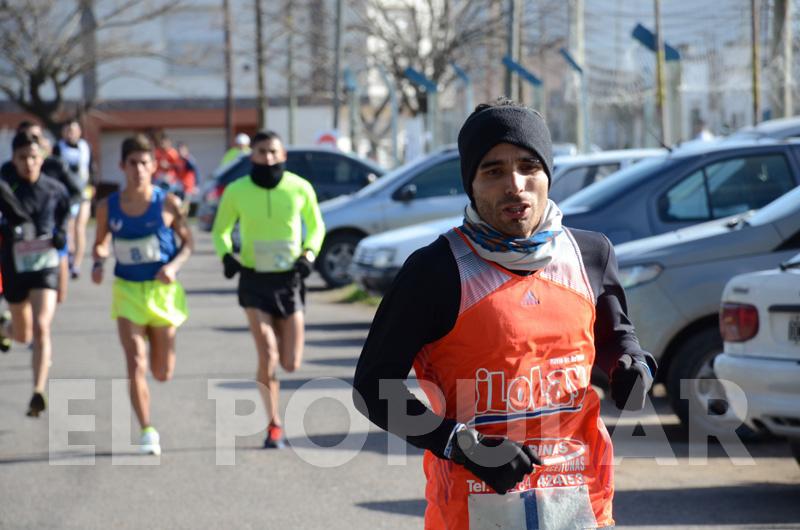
{"x": 303, "y": 267}
{"x": 631, "y": 380}
{"x": 59, "y": 240}
{"x": 497, "y": 461}
{"x": 231, "y": 266}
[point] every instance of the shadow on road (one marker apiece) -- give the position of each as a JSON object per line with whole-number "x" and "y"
{"x": 345, "y": 362}
{"x": 292, "y": 384}
{"x": 690, "y": 506}
{"x": 199, "y": 291}
{"x": 404, "y": 507}
{"x": 337, "y": 326}
{"x": 356, "y": 342}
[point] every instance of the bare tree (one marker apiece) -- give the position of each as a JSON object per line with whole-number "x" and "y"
{"x": 427, "y": 36}
{"x": 47, "y": 45}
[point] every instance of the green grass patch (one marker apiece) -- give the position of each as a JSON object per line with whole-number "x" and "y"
{"x": 356, "y": 295}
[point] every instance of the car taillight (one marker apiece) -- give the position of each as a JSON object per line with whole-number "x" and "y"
{"x": 215, "y": 193}
{"x": 738, "y": 322}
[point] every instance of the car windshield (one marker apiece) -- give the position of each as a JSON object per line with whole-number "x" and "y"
{"x": 391, "y": 177}
{"x": 786, "y": 204}
{"x": 603, "y": 191}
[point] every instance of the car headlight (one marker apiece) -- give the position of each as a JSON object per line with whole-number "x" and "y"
{"x": 639, "y": 274}
{"x": 383, "y": 257}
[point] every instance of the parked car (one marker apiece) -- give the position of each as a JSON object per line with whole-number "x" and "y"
{"x": 760, "y": 324}
{"x": 427, "y": 188}
{"x": 674, "y": 282}
{"x": 777, "y": 129}
{"x": 573, "y": 173}
{"x": 685, "y": 187}
{"x": 331, "y": 172}
{"x": 378, "y": 258}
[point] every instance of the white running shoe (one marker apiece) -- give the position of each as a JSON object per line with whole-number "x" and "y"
{"x": 150, "y": 443}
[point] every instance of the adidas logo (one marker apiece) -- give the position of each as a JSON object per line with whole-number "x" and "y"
{"x": 529, "y": 299}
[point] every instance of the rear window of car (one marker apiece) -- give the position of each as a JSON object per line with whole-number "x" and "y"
{"x": 602, "y": 192}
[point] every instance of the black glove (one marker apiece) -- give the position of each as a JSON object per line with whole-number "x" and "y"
{"x": 59, "y": 239}
{"x": 231, "y": 266}
{"x": 499, "y": 462}
{"x": 631, "y": 380}
{"x": 303, "y": 267}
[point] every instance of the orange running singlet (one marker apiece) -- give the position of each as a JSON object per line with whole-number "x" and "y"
{"x": 518, "y": 363}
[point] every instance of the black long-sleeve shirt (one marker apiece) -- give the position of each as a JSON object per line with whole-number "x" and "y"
{"x": 45, "y": 202}
{"x": 422, "y": 306}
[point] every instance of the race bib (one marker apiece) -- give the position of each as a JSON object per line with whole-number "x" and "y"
{"x": 566, "y": 508}
{"x": 274, "y": 256}
{"x": 137, "y": 251}
{"x": 35, "y": 255}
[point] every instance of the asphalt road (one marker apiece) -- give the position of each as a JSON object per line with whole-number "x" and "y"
{"x": 213, "y": 473}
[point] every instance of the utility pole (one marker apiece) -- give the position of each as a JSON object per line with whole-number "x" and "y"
{"x": 337, "y": 66}
{"x": 261, "y": 100}
{"x": 661, "y": 103}
{"x": 579, "y": 53}
{"x": 290, "y": 68}
{"x": 783, "y": 39}
{"x": 89, "y": 46}
{"x": 512, "y": 45}
{"x": 228, "y": 74}
{"x": 756, "y": 47}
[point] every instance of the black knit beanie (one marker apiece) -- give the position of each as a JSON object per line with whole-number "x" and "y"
{"x": 488, "y": 127}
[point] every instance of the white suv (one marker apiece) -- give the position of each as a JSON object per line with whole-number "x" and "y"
{"x": 760, "y": 324}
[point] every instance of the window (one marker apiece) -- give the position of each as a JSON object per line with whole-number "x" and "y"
{"x": 686, "y": 201}
{"x": 571, "y": 181}
{"x": 441, "y": 179}
{"x": 726, "y": 188}
{"x": 575, "y": 179}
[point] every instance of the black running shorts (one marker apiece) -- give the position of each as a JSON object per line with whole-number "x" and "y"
{"x": 279, "y": 294}
{"x": 16, "y": 286}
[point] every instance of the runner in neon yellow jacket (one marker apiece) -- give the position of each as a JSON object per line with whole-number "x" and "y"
{"x": 271, "y": 205}
{"x": 269, "y": 222}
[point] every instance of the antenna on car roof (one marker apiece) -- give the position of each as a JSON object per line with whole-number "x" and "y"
{"x": 662, "y": 144}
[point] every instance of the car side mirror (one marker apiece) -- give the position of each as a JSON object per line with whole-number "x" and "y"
{"x": 406, "y": 193}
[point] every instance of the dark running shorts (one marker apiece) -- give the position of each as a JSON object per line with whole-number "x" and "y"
{"x": 16, "y": 287}
{"x": 279, "y": 294}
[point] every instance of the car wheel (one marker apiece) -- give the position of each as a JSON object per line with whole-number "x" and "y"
{"x": 335, "y": 257}
{"x": 694, "y": 362}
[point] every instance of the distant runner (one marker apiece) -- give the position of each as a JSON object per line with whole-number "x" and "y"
{"x": 30, "y": 258}
{"x": 147, "y": 301}
{"x": 269, "y": 205}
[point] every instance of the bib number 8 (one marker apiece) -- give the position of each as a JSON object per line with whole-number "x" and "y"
{"x": 136, "y": 255}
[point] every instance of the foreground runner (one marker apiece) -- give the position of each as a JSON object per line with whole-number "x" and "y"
{"x": 502, "y": 319}
{"x": 30, "y": 258}
{"x": 269, "y": 205}
{"x": 148, "y": 303}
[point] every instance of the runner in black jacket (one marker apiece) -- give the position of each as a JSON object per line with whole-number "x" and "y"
{"x": 30, "y": 257}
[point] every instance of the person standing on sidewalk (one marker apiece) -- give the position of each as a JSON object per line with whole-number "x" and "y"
{"x": 148, "y": 303}
{"x": 271, "y": 205}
